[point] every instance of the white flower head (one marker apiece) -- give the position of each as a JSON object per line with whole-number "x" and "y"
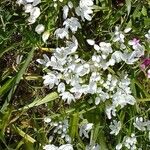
{"x": 72, "y": 24}
{"x": 85, "y": 129}
{"x": 115, "y": 127}
{"x": 139, "y": 124}
{"x": 61, "y": 33}
{"x": 130, "y": 142}
{"x": 67, "y": 96}
{"x": 61, "y": 87}
{"x": 44, "y": 61}
{"x": 50, "y": 80}
{"x": 119, "y": 36}
{"x": 95, "y": 147}
{"x": 50, "y": 147}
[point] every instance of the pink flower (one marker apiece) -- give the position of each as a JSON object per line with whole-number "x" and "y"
{"x": 135, "y": 43}
{"x": 145, "y": 63}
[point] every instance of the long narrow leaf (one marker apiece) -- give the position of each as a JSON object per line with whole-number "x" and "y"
{"x": 18, "y": 78}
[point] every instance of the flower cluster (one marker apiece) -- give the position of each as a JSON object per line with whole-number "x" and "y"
{"x": 60, "y": 128}
{"x": 62, "y": 147}
{"x": 76, "y": 74}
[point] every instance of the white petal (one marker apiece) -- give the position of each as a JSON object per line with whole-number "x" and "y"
{"x": 90, "y": 42}
{"x": 96, "y": 47}
{"x": 45, "y": 36}
{"x": 39, "y": 28}
{"x": 127, "y": 30}
{"x": 65, "y": 11}
{"x": 70, "y": 4}
{"x": 97, "y": 100}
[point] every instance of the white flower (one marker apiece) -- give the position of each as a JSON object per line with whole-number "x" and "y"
{"x": 34, "y": 14}
{"x": 47, "y": 120}
{"x": 105, "y": 48}
{"x": 45, "y": 36}
{"x": 139, "y": 124}
{"x": 72, "y": 46}
{"x": 44, "y": 61}
{"x": 67, "y": 96}
{"x": 62, "y": 147}
{"x": 72, "y": 23}
{"x": 117, "y": 56}
{"x": 119, "y": 37}
{"x": 85, "y": 9}
{"x": 85, "y": 129}
{"x": 56, "y": 63}
{"x": 50, "y": 147}
{"x": 115, "y": 127}
{"x": 61, "y": 53}
{"x": 39, "y": 28}
{"x": 95, "y": 147}
{"x": 61, "y": 87}
{"x": 135, "y": 43}
{"x": 61, "y": 33}
{"x": 82, "y": 69}
{"x": 130, "y": 142}
{"x": 66, "y": 147}
{"x": 86, "y": 3}
{"x": 50, "y": 80}
{"x": 122, "y": 99}
{"x": 110, "y": 110}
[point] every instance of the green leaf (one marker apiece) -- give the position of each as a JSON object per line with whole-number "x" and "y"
{"x": 6, "y": 87}
{"x": 24, "y": 135}
{"x": 18, "y": 78}
{"x": 48, "y": 98}
{"x": 74, "y": 125}
{"x": 144, "y": 11}
{"x": 128, "y": 5}
{"x": 4, "y": 121}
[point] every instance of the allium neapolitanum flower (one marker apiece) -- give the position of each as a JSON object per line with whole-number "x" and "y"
{"x": 85, "y": 129}
{"x": 62, "y": 147}
{"x": 115, "y": 127}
